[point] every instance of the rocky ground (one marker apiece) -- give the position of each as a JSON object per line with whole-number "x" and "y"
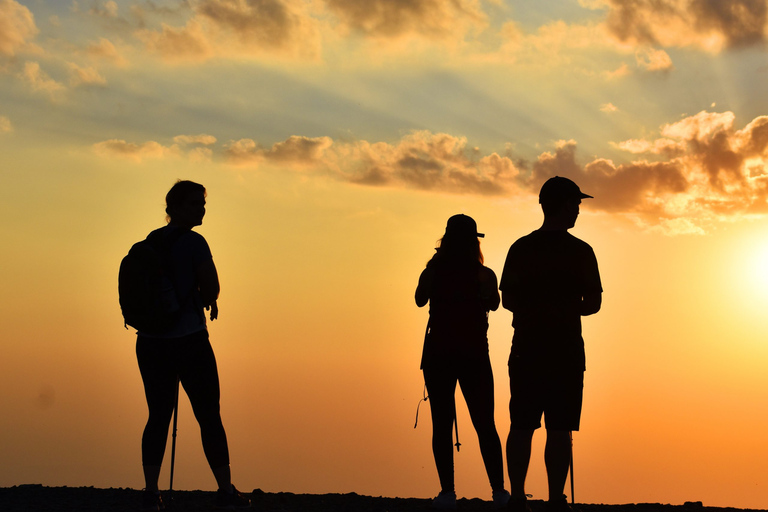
{"x": 37, "y": 498}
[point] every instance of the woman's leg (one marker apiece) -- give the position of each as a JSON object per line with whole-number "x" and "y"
{"x": 200, "y": 379}
{"x": 158, "y": 374}
{"x": 476, "y": 381}
{"x": 441, "y": 388}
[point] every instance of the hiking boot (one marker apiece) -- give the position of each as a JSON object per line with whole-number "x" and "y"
{"x": 500, "y": 499}
{"x": 151, "y": 501}
{"x": 558, "y": 505}
{"x": 444, "y": 501}
{"x": 231, "y": 501}
{"x": 518, "y": 504}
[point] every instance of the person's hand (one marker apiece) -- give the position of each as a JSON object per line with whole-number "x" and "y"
{"x": 214, "y": 308}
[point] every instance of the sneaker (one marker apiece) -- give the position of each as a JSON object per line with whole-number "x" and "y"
{"x": 559, "y": 505}
{"x": 444, "y": 501}
{"x": 231, "y": 501}
{"x": 518, "y": 504}
{"x": 151, "y": 501}
{"x": 500, "y": 499}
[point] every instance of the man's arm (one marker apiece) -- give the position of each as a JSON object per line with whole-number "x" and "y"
{"x": 590, "y": 303}
{"x": 507, "y": 300}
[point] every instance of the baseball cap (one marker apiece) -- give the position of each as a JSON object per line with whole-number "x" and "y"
{"x": 462, "y": 225}
{"x": 557, "y": 189}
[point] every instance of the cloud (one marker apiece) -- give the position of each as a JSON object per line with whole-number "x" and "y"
{"x": 185, "y": 140}
{"x": 5, "y": 125}
{"x": 725, "y": 170}
{"x": 653, "y": 60}
{"x": 105, "y": 49}
{"x": 434, "y": 19}
{"x": 17, "y": 26}
{"x": 237, "y": 28}
{"x": 608, "y": 108}
{"x": 39, "y": 79}
{"x": 115, "y": 148}
{"x": 712, "y": 25}
{"x": 85, "y": 76}
{"x": 106, "y": 9}
{"x": 700, "y": 169}
{"x": 294, "y": 150}
{"x": 421, "y": 160}
{"x": 153, "y": 150}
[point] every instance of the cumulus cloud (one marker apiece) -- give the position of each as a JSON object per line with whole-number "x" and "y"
{"x": 420, "y": 160}
{"x": 700, "y": 168}
{"x": 105, "y": 49}
{"x": 295, "y": 150}
{"x": 89, "y": 76}
{"x": 203, "y": 139}
{"x": 153, "y": 150}
{"x": 651, "y": 59}
{"x": 17, "y": 27}
{"x": 436, "y": 19}
{"x": 608, "y": 108}
{"x": 233, "y": 28}
{"x": 106, "y": 9}
{"x": 136, "y": 152}
{"x": 39, "y": 79}
{"x": 724, "y": 170}
{"x": 712, "y": 25}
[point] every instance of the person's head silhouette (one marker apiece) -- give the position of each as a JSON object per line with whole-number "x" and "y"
{"x": 560, "y": 199}
{"x": 460, "y": 241}
{"x": 185, "y": 204}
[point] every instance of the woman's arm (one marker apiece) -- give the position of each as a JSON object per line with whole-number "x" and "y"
{"x": 424, "y": 290}
{"x": 489, "y": 289}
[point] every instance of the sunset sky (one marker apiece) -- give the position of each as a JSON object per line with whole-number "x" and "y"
{"x": 335, "y": 138}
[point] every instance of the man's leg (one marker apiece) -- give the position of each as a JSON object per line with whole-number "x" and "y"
{"x": 518, "y": 458}
{"x": 557, "y": 457}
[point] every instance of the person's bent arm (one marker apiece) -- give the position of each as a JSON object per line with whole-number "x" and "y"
{"x": 590, "y": 303}
{"x": 208, "y": 281}
{"x": 507, "y": 300}
{"x": 424, "y": 288}
{"x": 489, "y": 290}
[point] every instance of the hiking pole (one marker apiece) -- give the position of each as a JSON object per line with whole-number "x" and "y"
{"x": 173, "y": 441}
{"x": 456, "y": 425}
{"x": 570, "y": 434}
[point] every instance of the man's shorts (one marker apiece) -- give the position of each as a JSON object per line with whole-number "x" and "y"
{"x": 551, "y": 390}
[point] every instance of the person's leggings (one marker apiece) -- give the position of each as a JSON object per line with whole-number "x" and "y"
{"x": 476, "y": 380}
{"x": 191, "y": 359}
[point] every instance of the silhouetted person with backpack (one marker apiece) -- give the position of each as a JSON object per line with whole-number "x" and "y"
{"x": 460, "y": 291}
{"x": 550, "y": 280}
{"x": 179, "y": 348}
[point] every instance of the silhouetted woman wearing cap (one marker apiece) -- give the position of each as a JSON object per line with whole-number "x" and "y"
{"x": 460, "y": 291}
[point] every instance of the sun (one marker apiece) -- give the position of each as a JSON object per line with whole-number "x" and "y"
{"x": 751, "y": 273}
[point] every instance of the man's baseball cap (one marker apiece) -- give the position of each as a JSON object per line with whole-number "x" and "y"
{"x": 557, "y": 189}
{"x": 462, "y": 225}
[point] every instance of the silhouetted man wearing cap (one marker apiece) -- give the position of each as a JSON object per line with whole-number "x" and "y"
{"x": 550, "y": 280}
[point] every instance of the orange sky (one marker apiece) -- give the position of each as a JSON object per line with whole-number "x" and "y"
{"x": 335, "y": 142}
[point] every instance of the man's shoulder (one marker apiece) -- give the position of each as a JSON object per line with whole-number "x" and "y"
{"x": 543, "y": 240}
{"x": 578, "y": 241}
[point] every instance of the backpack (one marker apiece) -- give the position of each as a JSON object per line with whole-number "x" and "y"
{"x": 148, "y": 298}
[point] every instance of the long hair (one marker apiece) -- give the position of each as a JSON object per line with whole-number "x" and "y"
{"x": 179, "y": 193}
{"x": 457, "y": 250}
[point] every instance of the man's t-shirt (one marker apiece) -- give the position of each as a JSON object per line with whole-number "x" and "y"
{"x": 545, "y": 276}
